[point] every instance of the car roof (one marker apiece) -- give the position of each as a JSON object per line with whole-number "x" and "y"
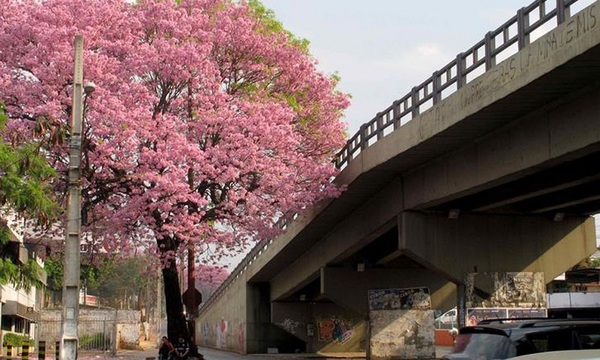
{"x": 537, "y": 322}
{"x": 590, "y": 354}
{"x": 508, "y": 327}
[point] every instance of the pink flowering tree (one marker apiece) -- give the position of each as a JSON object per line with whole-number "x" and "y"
{"x": 209, "y": 122}
{"x": 210, "y": 277}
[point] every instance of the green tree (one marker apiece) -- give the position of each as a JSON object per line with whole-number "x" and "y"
{"x": 124, "y": 283}
{"x": 114, "y": 280}
{"x": 25, "y": 179}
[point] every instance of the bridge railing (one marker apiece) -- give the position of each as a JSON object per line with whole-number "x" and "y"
{"x": 465, "y": 67}
{"x": 456, "y": 74}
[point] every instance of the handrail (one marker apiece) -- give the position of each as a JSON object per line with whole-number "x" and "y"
{"x": 424, "y": 96}
{"x": 431, "y": 91}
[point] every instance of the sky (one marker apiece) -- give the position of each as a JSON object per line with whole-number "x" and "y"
{"x": 382, "y": 48}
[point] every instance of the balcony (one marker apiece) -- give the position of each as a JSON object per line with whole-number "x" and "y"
{"x": 14, "y": 308}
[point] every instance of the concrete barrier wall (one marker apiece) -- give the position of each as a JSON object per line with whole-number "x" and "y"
{"x": 325, "y": 327}
{"x": 124, "y": 324}
{"x": 224, "y": 325}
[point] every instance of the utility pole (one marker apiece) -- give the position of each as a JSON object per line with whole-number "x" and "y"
{"x": 72, "y": 266}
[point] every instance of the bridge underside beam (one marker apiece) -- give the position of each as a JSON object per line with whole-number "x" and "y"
{"x": 495, "y": 243}
{"x": 349, "y": 288}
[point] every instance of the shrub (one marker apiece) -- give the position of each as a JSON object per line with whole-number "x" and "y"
{"x": 92, "y": 342}
{"x": 16, "y": 340}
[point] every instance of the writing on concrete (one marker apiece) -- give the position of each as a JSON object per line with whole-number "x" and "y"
{"x": 532, "y": 55}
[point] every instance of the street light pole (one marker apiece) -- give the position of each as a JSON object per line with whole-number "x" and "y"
{"x": 69, "y": 341}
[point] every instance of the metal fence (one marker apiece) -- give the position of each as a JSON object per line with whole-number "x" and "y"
{"x": 94, "y": 335}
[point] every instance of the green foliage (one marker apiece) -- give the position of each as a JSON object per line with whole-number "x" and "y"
{"x": 122, "y": 278}
{"x": 30, "y": 275}
{"x": 55, "y": 270}
{"x": 22, "y": 276}
{"x": 25, "y": 184}
{"x": 587, "y": 263}
{"x": 25, "y": 188}
{"x": 16, "y": 340}
{"x": 4, "y": 236}
{"x": 109, "y": 278}
{"x": 91, "y": 275}
{"x": 583, "y": 264}
{"x": 92, "y": 341}
{"x": 8, "y": 271}
{"x": 272, "y": 25}
{"x": 26, "y": 179}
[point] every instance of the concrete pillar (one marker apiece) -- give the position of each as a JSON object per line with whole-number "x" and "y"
{"x": 258, "y": 318}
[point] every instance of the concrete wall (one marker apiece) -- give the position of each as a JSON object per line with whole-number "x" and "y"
{"x": 224, "y": 325}
{"x": 325, "y": 327}
{"x": 491, "y": 243}
{"x": 349, "y": 288}
{"x": 401, "y": 324}
{"x": 541, "y": 137}
{"x": 241, "y": 321}
{"x": 124, "y": 324}
{"x": 365, "y": 223}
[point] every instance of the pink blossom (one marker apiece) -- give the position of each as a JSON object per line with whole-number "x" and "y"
{"x": 205, "y": 126}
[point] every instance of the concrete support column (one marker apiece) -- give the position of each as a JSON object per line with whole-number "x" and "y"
{"x": 461, "y": 308}
{"x": 258, "y": 318}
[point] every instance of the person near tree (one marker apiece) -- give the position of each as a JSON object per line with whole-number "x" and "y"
{"x": 182, "y": 349}
{"x": 166, "y": 350}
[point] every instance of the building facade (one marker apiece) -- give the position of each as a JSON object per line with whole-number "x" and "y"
{"x": 19, "y": 307}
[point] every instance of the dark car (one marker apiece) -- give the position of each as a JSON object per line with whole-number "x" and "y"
{"x": 506, "y": 338}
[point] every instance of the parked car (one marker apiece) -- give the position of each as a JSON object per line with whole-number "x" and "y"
{"x": 508, "y": 338}
{"x": 447, "y": 320}
{"x": 562, "y": 355}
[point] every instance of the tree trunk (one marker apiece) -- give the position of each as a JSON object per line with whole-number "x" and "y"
{"x": 176, "y": 323}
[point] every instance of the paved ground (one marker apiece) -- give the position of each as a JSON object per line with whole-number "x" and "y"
{"x": 149, "y": 352}
{"x": 213, "y": 354}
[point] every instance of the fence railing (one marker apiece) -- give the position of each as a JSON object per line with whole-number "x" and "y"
{"x": 483, "y": 55}
{"x": 94, "y": 335}
{"x": 514, "y": 34}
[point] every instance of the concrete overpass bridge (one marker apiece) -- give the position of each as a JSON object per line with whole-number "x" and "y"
{"x": 492, "y": 165}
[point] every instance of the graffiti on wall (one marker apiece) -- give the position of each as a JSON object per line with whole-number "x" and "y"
{"x": 401, "y": 323}
{"x": 334, "y": 329}
{"x": 509, "y": 289}
{"x": 400, "y": 299}
{"x": 402, "y": 334}
{"x": 217, "y": 334}
{"x": 221, "y": 330}
{"x": 205, "y": 332}
{"x": 290, "y": 325}
{"x": 241, "y": 335}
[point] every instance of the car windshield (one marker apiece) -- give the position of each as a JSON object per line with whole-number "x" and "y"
{"x": 483, "y": 346}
